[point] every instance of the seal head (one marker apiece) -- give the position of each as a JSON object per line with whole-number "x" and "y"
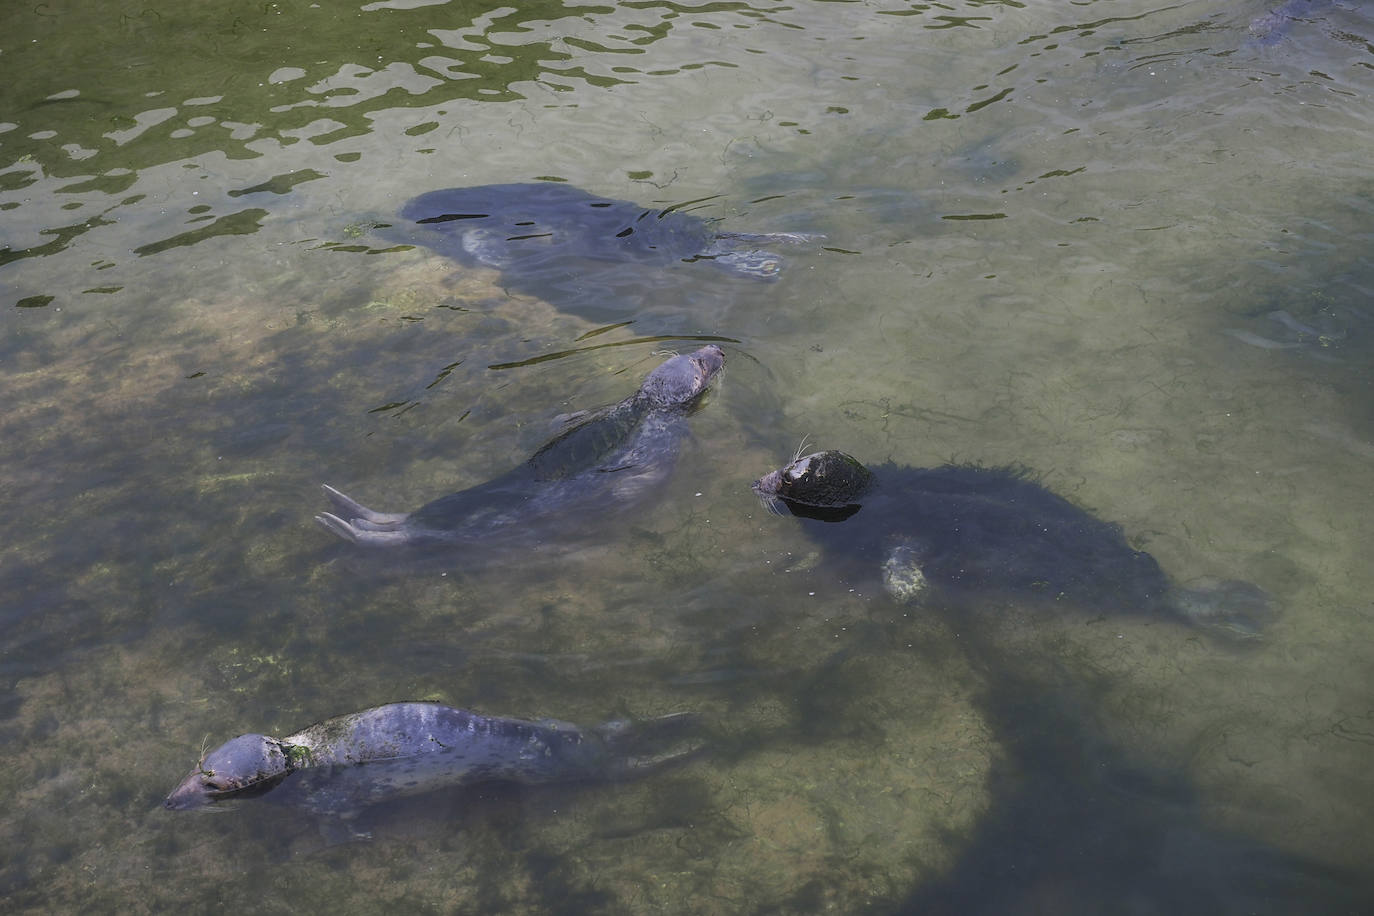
{"x": 825, "y": 485}
{"x": 242, "y": 767}
{"x": 681, "y": 380}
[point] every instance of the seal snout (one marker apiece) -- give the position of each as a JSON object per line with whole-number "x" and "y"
{"x": 769, "y": 485}
{"x": 189, "y": 795}
{"x": 710, "y": 359}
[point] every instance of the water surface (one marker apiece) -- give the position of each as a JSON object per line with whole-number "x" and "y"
{"x": 1056, "y": 236}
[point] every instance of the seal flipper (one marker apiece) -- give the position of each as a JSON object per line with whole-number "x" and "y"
{"x": 902, "y": 574}
{"x": 785, "y": 238}
{"x": 634, "y": 767}
{"x": 360, "y": 533}
{"x": 361, "y": 525}
{"x": 336, "y": 831}
{"x": 1229, "y": 607}
{"x": 627, "y": 740}
{"x": 354, "y": 509}
{"x": 488, "y": 247}
{"x": 617, "y": 731}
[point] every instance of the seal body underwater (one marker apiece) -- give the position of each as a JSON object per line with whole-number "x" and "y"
{"x": 343, "y": 765}
{"x": 605, "y": 460}
{"x": 1275, "y": 25}
{"x": 584, "y": 254}
{"x": 969, "y": 529}
{"x": 527, "y": 226}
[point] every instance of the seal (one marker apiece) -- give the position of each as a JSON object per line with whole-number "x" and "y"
{"x": 343, "y": 765}
{"x": 607, "y": 458}
{"x": 584, "y": 254}
{"x": 1275, "y": 25}
{"x": 969, "y": 529}
{"x": 526, "y": 227}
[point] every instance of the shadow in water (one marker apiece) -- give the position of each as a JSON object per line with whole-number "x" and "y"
{"x": 1076, "y": 826}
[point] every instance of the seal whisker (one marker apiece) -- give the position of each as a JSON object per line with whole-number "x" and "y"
{"x": 770, "y": 503}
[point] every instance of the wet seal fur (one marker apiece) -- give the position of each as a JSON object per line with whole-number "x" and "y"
{"x": 1275, "y": 25}
{"x": 532, "y": 227}
{"x": 962, "y": 528}
{"x": 592, "y": 256}
{"x": 606, "y": 458}
{"x": 342, "y": 765}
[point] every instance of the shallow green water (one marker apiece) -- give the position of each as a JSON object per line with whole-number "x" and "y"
{"x": 1055, "y": 235}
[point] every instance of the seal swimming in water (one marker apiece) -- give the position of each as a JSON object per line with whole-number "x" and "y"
{"x": 607, "y": 457}
{"x": 973, "y": 529}
{"x": 1274, "y": 26}
{"x": 342, "y": 765}
{"x": 573, "y": 249}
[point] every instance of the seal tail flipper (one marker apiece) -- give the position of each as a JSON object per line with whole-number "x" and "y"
{"x": 632, "y": 767}
{"x": 628, "y": 741}
{"x": 358, "y": 534}
{"x": 785, "y": 238}
{"x": 1231, "y": 607}
{"x": 354, "y": 509}
{"x": 620, "y": 730}
{"x": 488, "y": 247}
{"x": 336, "y": 831}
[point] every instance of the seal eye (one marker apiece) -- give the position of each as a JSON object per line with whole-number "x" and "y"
{"x": 208, "y": 781}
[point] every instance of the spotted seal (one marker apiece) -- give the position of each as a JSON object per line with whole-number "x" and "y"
{"x": 607, "y": 458}
{"x": 529, "y": 226}
{"x": 1274, "y": 26}
{"x": 963, "y": 529}
{"x": 343, "y": 765}
{"x": 584, "y": 254}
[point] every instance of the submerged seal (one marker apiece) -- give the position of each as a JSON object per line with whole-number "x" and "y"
{"x": 530, "y": 226}
{"x": 967, "y": 529}
{"x": 576, "y": 250}
{"x": 343, "y": 765}
{"x": 606, "y": 458}
{"x": 1274, "y": 26}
